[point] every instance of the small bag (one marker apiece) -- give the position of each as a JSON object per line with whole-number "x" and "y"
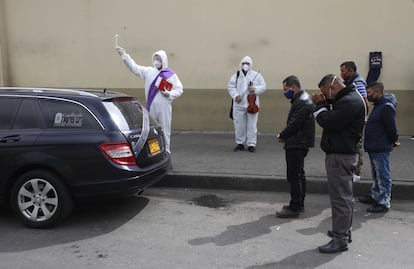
{"x": 375, "y": 65}
{"x": 375, "y": 60}
{"x": 231, "y": 108}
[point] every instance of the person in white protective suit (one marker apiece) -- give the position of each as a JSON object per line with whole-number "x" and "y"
{"x": 244, "y": 87}
{"x": 159, "y": 102}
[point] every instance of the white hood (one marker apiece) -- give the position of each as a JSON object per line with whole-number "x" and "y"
{"x": 246, "y": 59}
{"x": 163, "y": 56}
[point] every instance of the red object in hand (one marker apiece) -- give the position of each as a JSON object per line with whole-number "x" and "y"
{"x": 252, "y": 107}
{"x": 163, "y": 85}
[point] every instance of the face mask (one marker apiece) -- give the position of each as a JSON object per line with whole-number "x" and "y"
{"x": 344, "y": 76}
{"x": 245, "y": 67}
{"x": 371, "y": 98}
{"x": 289, "y": 94}
{"x": 157, "y": 64}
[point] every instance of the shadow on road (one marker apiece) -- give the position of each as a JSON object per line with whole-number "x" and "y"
{"x": 307, "y": 259}
{"x": 87, "y": 221}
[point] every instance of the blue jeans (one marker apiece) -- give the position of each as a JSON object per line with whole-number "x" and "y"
{"x": 381, "y": 174}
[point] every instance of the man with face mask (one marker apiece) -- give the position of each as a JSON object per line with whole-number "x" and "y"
{"x": 381, "y": 136}
{"x": 244, "y": 88}
{"x": 297, "y": 136}
{"x": 350, "y": 76}
{"x": 342, "y": 122}
{"x": 159, "y": 102}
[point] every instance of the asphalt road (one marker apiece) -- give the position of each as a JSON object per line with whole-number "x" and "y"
{"x": 187, "y": 228}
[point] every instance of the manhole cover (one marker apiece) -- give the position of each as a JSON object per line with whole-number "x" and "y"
{"x": 212, "y": 201}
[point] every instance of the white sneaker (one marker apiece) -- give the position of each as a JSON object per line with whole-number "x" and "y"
{"x": 356, "y": 178}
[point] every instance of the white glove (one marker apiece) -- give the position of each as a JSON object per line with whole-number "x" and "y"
{"x": 165, "y": 94}
{"x": 121, "y": 51}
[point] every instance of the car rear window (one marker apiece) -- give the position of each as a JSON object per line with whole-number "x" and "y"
{"x": 126, "y": 113}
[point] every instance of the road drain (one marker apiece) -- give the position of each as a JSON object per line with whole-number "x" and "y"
{"x": 212, "y": 201}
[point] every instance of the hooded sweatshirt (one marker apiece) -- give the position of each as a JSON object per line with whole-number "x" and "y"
{"x": 381, "y": 129}
{"x": 243, "y": 81}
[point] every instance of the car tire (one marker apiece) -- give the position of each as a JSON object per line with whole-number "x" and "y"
{"x": 40, "y": 199}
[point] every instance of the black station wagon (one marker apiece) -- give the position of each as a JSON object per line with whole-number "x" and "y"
{"x": 58, "y": 146}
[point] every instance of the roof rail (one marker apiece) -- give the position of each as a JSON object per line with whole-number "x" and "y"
{"x": 79, "y": 91}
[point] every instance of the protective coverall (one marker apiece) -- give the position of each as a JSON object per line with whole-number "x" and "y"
{"x": 245, "y": 124}
{"x": 161, "y": 107}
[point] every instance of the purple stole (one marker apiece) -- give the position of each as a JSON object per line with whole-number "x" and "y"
{"x": 153, "y": 90}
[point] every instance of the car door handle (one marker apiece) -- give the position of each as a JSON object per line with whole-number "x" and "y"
{"x": 11, "y": 138}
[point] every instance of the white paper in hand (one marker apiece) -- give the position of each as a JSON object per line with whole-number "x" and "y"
{"x": 116, "y": 37}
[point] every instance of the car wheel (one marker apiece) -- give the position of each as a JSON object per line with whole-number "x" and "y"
{"x": 40, "y": 199}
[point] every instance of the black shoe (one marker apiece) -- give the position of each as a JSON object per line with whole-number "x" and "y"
{"x": 331, "y": 235}
{"x": 239, "y": 147}
{"x": 301, "y": 209}
{"x": 367, "y": 200}
{"x": 334, "y": 246}
{"x": 251, "y": 149}
{"x": 287, "y": 212}
{"x": 377, "y": 209}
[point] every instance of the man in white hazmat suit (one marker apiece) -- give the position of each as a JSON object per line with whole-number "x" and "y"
{"x": 159, "y": 103}
{"x": 244, "y": 88}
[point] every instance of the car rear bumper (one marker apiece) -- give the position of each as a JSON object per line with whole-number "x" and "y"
{"x": 128, "y": 186}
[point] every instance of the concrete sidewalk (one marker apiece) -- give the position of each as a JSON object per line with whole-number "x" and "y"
{"x": 207, "y": 160}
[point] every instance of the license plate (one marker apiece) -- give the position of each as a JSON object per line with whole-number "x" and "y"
{"x": 154, "y": 147}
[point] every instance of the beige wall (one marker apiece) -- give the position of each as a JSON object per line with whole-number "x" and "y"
{"x": 70, "y": 44}
{"x": 3, "y": 54}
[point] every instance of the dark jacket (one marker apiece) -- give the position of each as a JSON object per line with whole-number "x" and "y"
{"x": 381, "y": 129}
{"x": 343, "y": 123}
{"x": 300, "y": 126}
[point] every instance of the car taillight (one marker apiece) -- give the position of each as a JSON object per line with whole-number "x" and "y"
{"x": 120, "y": 153}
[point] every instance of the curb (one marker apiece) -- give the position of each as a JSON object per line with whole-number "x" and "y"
{"x": 401, "y": 190}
